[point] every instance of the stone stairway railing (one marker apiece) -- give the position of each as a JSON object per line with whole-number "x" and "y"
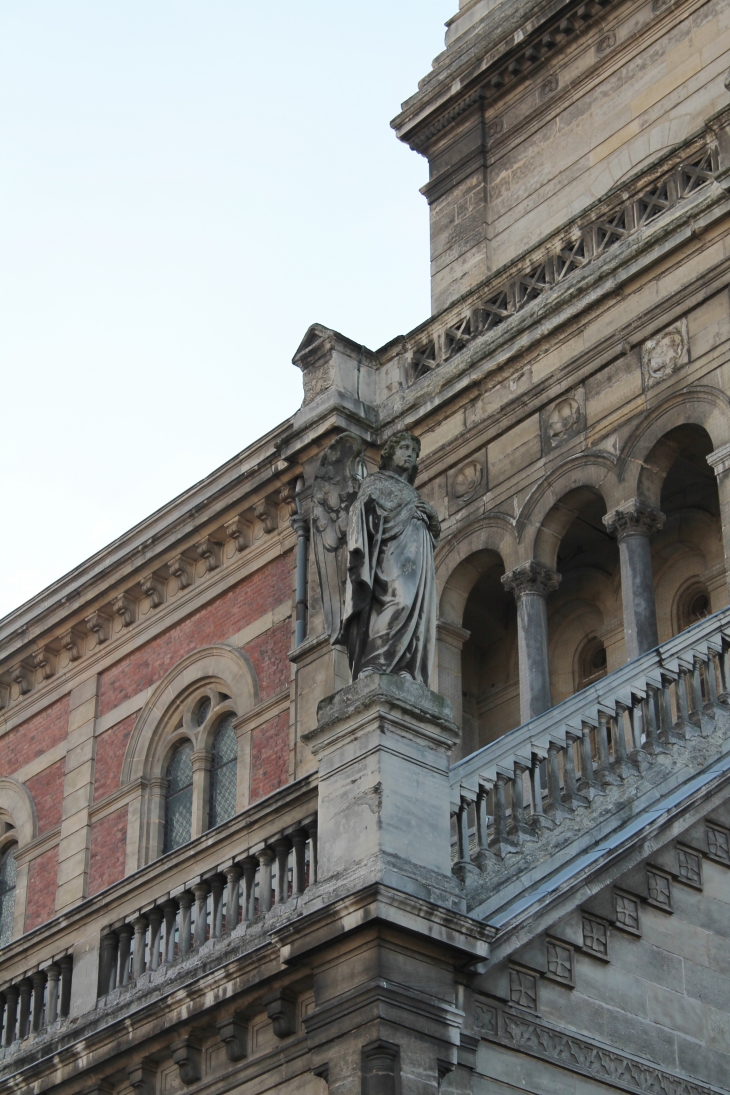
{"x": 529, "y": 780}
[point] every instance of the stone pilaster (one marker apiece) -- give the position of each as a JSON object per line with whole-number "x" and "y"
{"x": 531, "y": 583}
{"x": 719, "y": 461}
{"x": 633, "y": 524}
{"x": 450, "y": 641}
{"x": 78, "y": 792}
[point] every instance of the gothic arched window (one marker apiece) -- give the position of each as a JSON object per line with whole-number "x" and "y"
{"x": 223, "y": 773}
{"x": 7, "y": 894}
{"x": 179, "y": 799}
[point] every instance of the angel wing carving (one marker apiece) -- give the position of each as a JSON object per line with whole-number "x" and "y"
{"x": 337, "y": 479}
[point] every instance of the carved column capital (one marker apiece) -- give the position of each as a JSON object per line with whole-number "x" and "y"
{"x": 634, "y": 518}
{"x": 532, "y": 577}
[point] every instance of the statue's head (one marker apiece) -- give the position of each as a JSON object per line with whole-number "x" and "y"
{"x": 400, "y": 455}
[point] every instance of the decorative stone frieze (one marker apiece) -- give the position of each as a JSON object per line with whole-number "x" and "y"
{"x": 45, "y": 661}
{"x": 22, "y": 678}
{"x": 627, "y": 913}
{"x": 532, "y": 577}
{"x": 634, "y": 518}
{"x": 659, "y": 887}
{"x": 595, "y": 936}
{"x": 73, "y": 642}
{"x": 718, "y": 843}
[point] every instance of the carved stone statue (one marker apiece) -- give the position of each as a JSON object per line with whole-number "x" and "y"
{"x": 373, "y": 541}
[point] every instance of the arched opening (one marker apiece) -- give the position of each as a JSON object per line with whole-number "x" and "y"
{"x": 584, "y": 614}
{"x": 687, "y": 554}
{"x": 489, "y": 670}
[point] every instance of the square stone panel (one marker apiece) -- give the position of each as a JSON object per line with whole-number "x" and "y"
{"x": 467, "y": 481}
{"x": 664, "y": 354}
{"x": 563, "y": 420}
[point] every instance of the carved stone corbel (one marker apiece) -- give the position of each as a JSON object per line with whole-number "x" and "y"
{"x": 45, "y": 661}
{"x": 186, "y": 1055}
{"x": 210, "y": 552}
{"x": 234, "y": 1035}
{"x": 281, "y": 1009}
{"x": 124, "y": 607}
{"x": 98, "y": 623}
{"x": 265, "y": 514}
{"x": 154, "y": 589}
{"x": 142, "y": 1078}
{"x": 180, "y": 569}
{"x": 240, "y": 532}
{"x": 287, "y": 497}
{"x": 72, "y": 642}
{"x": 21, "y": 677}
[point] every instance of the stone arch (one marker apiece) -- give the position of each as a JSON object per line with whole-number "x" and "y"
{"x": 221, "y": 673}
{"x": 644, "y": 460}
{"x": 456, "y": 572}
{"x": 546, "y": 515}
{"x": 18, "y": 809}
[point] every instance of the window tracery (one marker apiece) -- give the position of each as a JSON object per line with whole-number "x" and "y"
{"x": 8, "y": 879}
{"x": 223, "y": 774}
{"x": 179, "y": 800}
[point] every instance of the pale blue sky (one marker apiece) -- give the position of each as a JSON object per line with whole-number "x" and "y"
{"x": 186, "y": 185}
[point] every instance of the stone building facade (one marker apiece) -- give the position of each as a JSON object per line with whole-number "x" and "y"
{"x": 223, "y": 867}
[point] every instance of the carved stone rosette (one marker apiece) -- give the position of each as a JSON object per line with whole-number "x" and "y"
{"x": 634, "y": 518}
{"x": 532, "y": 577}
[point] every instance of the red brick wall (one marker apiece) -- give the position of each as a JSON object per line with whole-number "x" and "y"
{"x": 268, "y": 654}
{"x": 42, "y": 877}
{"x": 108, "y": 846}
{"x": 270, "y": 756}
{"x": 34, "y": 737}
{"x": 245, "y": 602}
{"x": 47, "y": 791}
{"x": 110, "y": 749}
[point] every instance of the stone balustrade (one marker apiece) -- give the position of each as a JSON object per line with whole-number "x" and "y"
{"x": 183, "y": 920}
{"x": 35, "y": 1002}
{"x": 525, "y": 783}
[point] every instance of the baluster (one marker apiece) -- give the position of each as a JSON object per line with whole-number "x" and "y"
{"x": 299, "y": 842}
{"x": 26, "y": 990}
{"x": 11, "y": 1014}
{"x": 282, "y": 848}
{"x": 588, "y": 786}
{"x": 53, "y": 973}
{"x": 39, "y": 991}
{"x": 722, "y": 661}
{"x": 538, "y": 821}
{"x": 664, "y": 706}
{"x": 155, "y": 918}
{"x": 684, "y": 690}
{"x": 169, "y": 911}
{"x": 109, "y": 947}
{"x": 249, "y": 888}
{"x": 500, "y": 843}
{"x": 482, "y": 819}
{"x": 201, "y": 890}
{"x": 266, "y": 858}
{"x": 605, "y": 773}
{"x": 125, "y": 950}
{"x": 695, "y": 684}
{"x": 67, "y": 966}
{"x": 462, "y": 833}
{"x": 185, "y": 900}
{"x": 3, "y": 1018}
{"x": 570, "y": 797}
{"x": 652, "y": 745}
{"x": 621, "y": 762}
{"x": 312, "y": 830}
{"x": 233, "y": 901}
{"x": 216, "y": 912}
{"x": 519, "y": 829}
{"x": 138, "y": 952}
{"x": 711, "y": 682}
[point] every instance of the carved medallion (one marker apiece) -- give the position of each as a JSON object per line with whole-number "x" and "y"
{"x": 467, "y": 482}
{"x": 563, "y": 420}
{"x": 664, "y": 353}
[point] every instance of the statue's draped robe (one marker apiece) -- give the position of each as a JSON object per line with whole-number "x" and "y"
{"x": 390, "y": 599}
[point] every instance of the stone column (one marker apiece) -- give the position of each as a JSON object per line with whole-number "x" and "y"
{"x": 719, "y": 461}
{"x": 531, "y": 582}
{"x": 634, "y": 523}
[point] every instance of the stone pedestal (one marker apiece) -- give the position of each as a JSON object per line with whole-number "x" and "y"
{"x": 384, "y": 930}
